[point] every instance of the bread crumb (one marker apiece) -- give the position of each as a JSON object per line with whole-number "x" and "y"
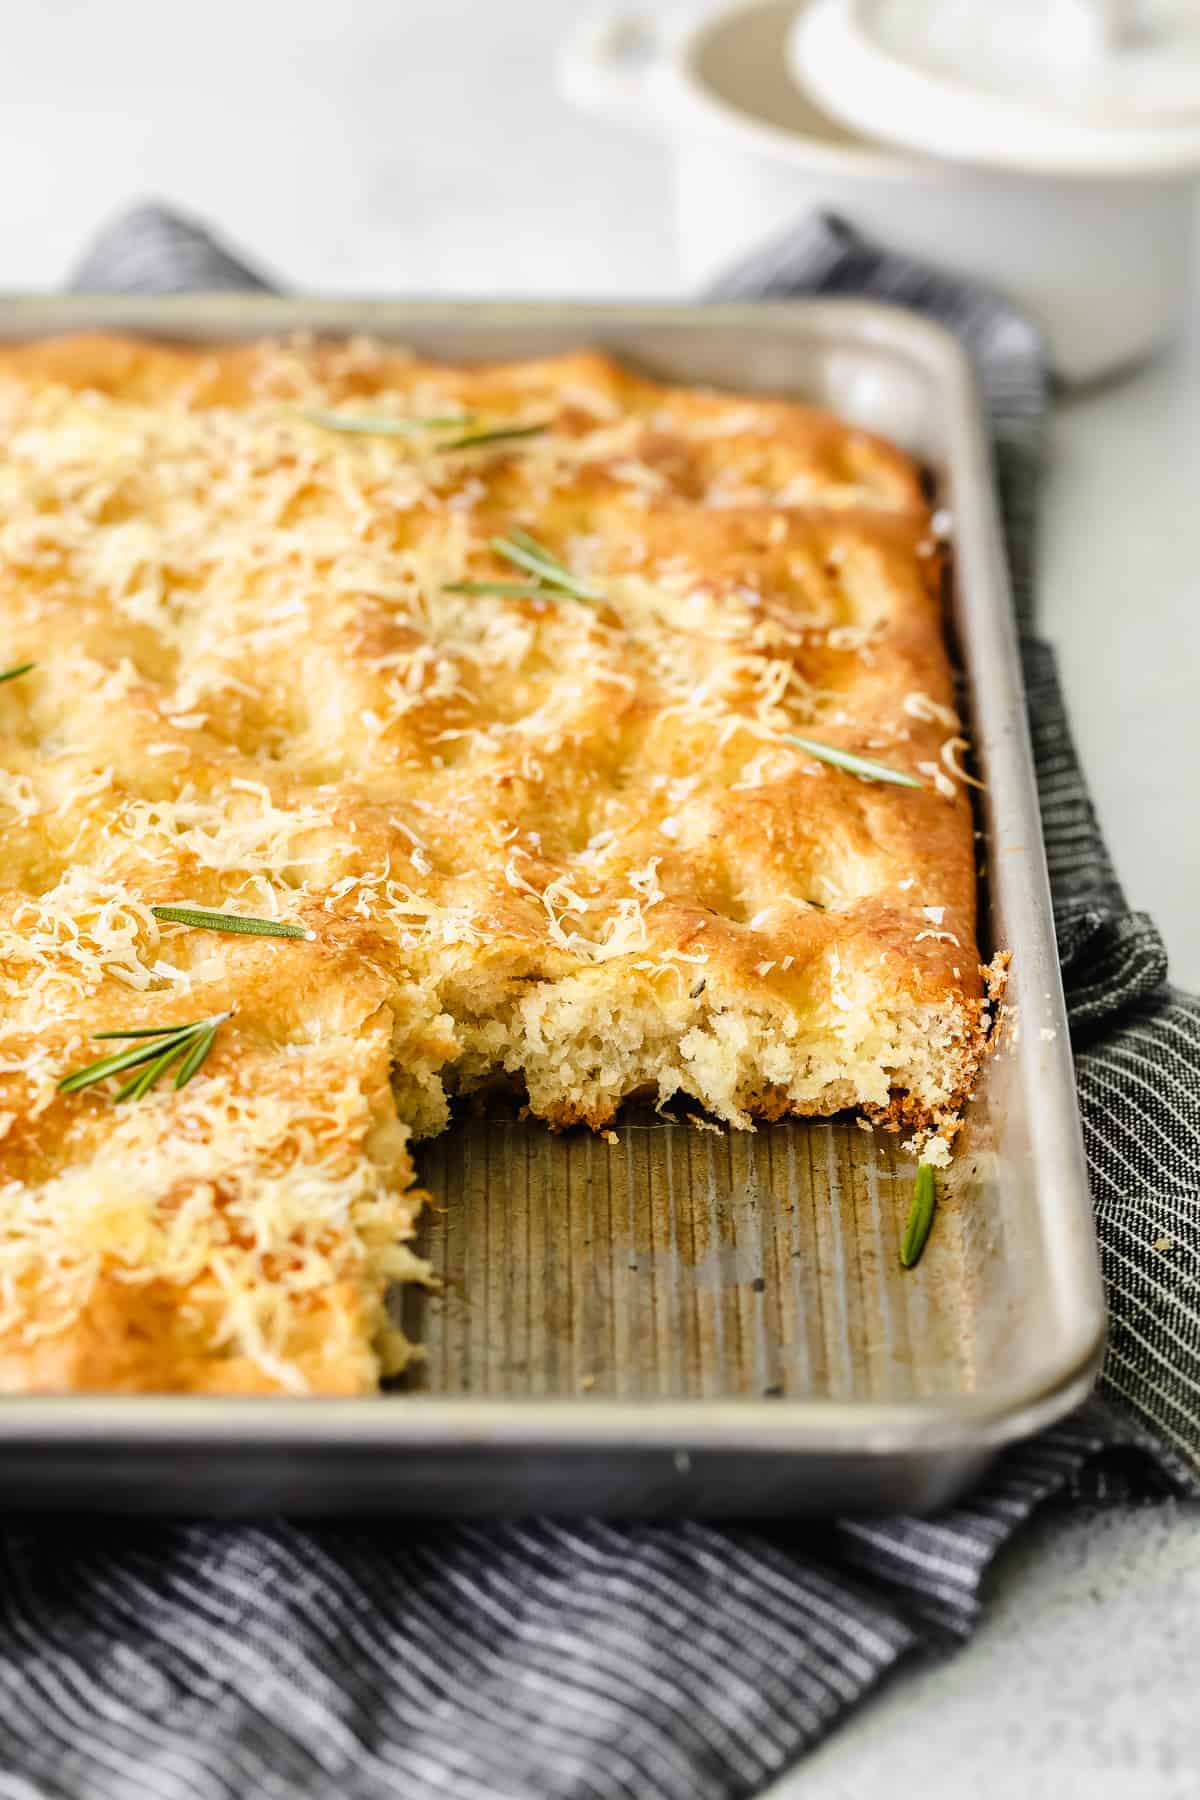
{"x": 1163, "y": 1243}
{"x": 610, "y": 1137}
{"x": 700, "y": 1124}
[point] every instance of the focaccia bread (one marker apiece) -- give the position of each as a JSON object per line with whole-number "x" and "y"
{"x": 539, "y": 812}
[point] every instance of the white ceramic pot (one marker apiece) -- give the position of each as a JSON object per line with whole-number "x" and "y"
{"x": 1102, "y": 265}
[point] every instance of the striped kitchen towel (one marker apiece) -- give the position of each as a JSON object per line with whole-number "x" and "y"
{"x": 586, "y": 1661}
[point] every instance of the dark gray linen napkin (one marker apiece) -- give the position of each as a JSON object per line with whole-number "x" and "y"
{"x": 586, "y": 1660}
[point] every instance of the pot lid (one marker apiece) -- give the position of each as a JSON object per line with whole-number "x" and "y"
{"x": 1074, "y": 87}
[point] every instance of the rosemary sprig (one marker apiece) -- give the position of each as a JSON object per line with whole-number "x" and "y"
{"x": 148, "y": 1031}
{"x": 524, "y": 552}
{"x": 864, "y": 766}
{"x": 377, "y": 425}
{"x": 920, "y": 1218}
{"x": 496, "y": 435}
{"x": 512, "y": 590}
{"x": 152, "y": 1056}
{"x": 220, "y": 921}
{"x": 383, "y": 425}
{"x": 20, "y": 669}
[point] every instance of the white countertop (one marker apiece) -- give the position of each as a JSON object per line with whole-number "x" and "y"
{"x": 1120, "y": 603}
{"x": 1078, "y": 1685}
{"x": 417, "y": 146}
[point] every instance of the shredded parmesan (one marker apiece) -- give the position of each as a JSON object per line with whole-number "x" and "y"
{"x": 929, "y": 712}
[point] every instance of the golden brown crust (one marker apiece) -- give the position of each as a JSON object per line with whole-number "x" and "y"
{"x": 535, "y": 838}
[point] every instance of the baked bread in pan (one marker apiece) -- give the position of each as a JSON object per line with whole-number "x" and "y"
{"x": 488, "y": 680}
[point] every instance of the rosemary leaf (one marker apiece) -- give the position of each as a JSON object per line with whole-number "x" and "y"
{"x": 527, "y": 541}
{"x": 863, "y": 766}
{"x": 374, "y": 425}
{"x": 920, "y": 1218}
{"x": 518, "y": 590}
{"x": 241, "y": 923}
{"x": 555, "y": 570}
{"x": 196, "y": 1056}
{"x": 521, "y": 548}
{"x": 526, "y": 553}
{"x": 20, "y": 669}
{"x": 383, "y": 425}
{"x": 149, "y": 1032}
{"x": 144, "y": 1080}
{"x": 156, "y": 1052}
{"x": 497, "y": 435}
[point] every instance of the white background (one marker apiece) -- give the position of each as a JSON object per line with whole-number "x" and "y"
{"x": 418, "y": 147}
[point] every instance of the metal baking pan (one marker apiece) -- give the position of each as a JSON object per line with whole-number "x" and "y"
{"x": 687, "y": 1322}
